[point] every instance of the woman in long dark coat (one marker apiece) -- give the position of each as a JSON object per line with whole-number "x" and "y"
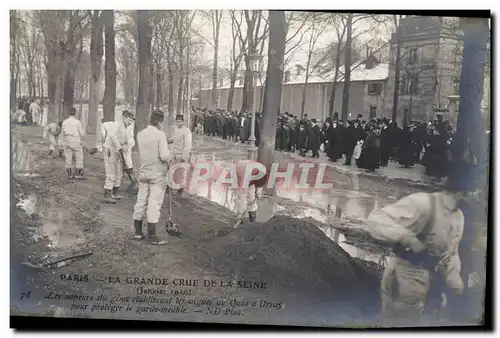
{"x": 406, "y": 149}
{"x": 370, "y": 155}
{"x": 334, "y": 151}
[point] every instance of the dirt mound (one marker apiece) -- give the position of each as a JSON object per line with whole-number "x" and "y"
{"x": 293, "y": 253}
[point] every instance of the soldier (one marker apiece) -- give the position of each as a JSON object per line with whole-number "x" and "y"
{"x": 73, "y": 135}
{"x": 154, "y": 157}
{"x": 115, "y": 144}
{"x": 426, "y": 230}
{"x": 246, "y": 197}
{"x": 51, "y": 134}
{"x": 36, "y": 111}
{"x": 181, "y": 149}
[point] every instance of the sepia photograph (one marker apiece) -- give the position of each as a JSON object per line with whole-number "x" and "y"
{"x": 287, "y": 168}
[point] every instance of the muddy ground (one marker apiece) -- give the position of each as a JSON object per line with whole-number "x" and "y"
{"x": 309, "y": 279}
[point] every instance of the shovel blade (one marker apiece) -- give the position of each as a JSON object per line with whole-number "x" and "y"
{"x": 173, "y": 229}
{"x": 133, "y": 189}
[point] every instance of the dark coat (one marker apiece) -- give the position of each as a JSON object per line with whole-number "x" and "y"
{"x": 314, "y": 138}
{"x": 370, "y": 153}
{"x": 302, "y": 139}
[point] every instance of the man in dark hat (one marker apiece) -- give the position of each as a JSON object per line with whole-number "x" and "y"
{"x": 181, "y": 150}
{"x": 314, "y": 138}
{"x": 154, "y": 157}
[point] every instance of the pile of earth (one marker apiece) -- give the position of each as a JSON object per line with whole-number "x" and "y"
{"x": 291, "y": 253}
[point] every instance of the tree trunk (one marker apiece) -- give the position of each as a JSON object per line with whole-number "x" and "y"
{"x": 159, "y": 86}
{"x": 347, "y": 67}
{"x": 199, "y": 91}
{"x": 304, "y": 94}
{"x": 171, "y": 111}
{"x": 215, "y": 101}
{"x": 470, "y": 125}
{"x": 96, "y": 53}
{"x": 13, "y": 47}
{"x": 144, "y": 47}
{"x": 272, "y": 94}
{"x": 231, "y": 91}
{"x": 216, "y": 31}
{"x": 109, "y": 100}
{"x": 246, "y": 102}
{"x": 334, "y": 87}
{"x": 69, "y": 82}
{"x": 59, "y": 83}
{"x": 395, "y": 98}
{"x": 152, "y": 92}
{"x": 181, "y": 82}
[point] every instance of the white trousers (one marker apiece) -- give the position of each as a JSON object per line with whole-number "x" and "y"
{"x": 113, "y": 168}
{"x": 150, "y": 199}
{"x": 404, "y": 289}
{"x": 246, "y": 200}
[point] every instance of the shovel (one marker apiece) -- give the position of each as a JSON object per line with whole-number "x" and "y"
{"x": 171, "y": 227}
{"x": 59, "y": 263}
{"x": 132, "y": 189}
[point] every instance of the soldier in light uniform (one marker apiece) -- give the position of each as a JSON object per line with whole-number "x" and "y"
{"x": 117, "y": 140}
{"x": 105, "y": 127}
{"x": 246, "y": 197}
{"x": 73, "y": 135}
{"x": 154, "y": 158}
{"x": 36, "y": 111}
{"x": 181, "y": 149}
{"x": 51, "y": 134}
{"x": 426, "y": 230}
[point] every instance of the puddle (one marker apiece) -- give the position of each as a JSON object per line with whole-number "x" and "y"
{"x": 53, "y": 218}
{"x": 22, "y": 160}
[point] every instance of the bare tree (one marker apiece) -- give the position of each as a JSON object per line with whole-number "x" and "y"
{"x": 216, "y": 18}
{"x": 347, "y": 67}
{"x": 398, "y": 31}
{"x": 29, "y": 43}
{"x": 52, "y": 27}
{"x": 254, "y": 37}
{"x": 109, "y": 99}
{"x": 144, "y": 36}
{"x": 72, "y": 49}
{"x": 340, "y": 30}
{"x": 317, "y": 29}
{"x": 96, "y": 53}
{"x": 13, "y": 58}
{"x": 296, "y": 28}
{"x": 272, "y": 94}
{"x": 237, "y": 54}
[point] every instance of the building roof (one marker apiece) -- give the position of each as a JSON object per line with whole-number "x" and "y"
{"x": 359, "y": 73}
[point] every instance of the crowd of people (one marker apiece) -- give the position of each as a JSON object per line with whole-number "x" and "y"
{"x": 372, "y": 144}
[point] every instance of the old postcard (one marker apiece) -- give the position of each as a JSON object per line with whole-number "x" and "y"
{"x": 299, "y": 168}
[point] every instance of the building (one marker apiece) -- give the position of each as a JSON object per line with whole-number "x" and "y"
{"x": 430, "y": 58}
{"x": 368, "y": 81}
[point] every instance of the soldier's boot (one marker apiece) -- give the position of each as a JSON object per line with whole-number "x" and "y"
{"x": 61, "y": 153}
{"x": 51, "y": 152}
{"x": 180, "y": 191}
{"x": 70, "y": 172}
{"x": 114, "y": 193}
{"x": 79, "y": 174}
{"x": 252, "y": 215}
{"x": 138, "y": 236}
{"x": 108, "y": 198}
{"x": 152, "y": 239}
